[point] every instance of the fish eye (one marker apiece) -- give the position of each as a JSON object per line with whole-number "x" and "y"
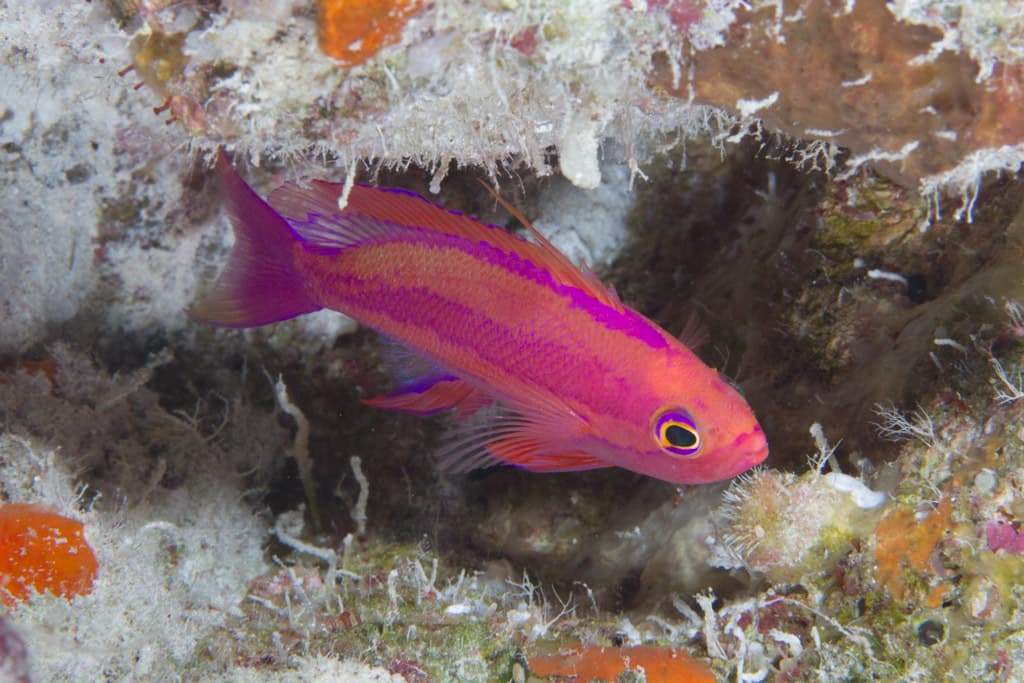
{"x": 676, "y": 433}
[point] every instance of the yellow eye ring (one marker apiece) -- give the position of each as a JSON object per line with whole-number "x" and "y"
{"x": 677, "y": 434}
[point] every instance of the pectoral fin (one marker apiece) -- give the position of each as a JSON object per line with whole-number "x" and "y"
{"x": 508, "y": 438}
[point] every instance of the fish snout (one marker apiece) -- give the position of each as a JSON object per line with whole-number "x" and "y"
{"x": 756, "y": 448}
{"x": 750, "y": 449}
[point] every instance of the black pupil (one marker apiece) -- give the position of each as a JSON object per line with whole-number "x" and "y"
{"x": 680, "y": 437}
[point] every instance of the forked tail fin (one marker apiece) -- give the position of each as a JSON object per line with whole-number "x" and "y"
{"x": 260, "y": 284}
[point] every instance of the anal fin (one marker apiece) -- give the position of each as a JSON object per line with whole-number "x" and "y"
{"x": 422, "y": 387}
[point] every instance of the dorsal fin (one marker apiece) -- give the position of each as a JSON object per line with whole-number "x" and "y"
{"x": 311, "y": 208}
{"x": 695, "y": 334}
{"x": 581, "y": 277}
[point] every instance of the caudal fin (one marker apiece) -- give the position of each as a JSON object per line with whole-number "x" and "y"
{"x": 260, "y": 284}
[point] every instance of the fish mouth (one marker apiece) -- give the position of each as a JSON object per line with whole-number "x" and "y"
{"x": 752, "y": 447}
{"x": 757, "y": 457}
{"x": 746, "y": 451}
{"x": 754, "y": 440}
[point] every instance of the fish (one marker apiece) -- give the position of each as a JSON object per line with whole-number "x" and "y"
{"x": 543, "y": 366}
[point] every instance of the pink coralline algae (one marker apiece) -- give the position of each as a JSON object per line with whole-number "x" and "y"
{"x": 1003, "y": 536}
{"x": 681, "y": 13}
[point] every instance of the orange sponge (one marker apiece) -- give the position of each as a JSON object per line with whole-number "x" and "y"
{"x": 42, "y": 551}
{"x": 352, "y": 31}
{"x": 660, "y": 664}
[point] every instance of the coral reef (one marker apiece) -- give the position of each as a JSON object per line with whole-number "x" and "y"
{"x": 163, "y": 507}
{"x": 774, "y": 169}
{"x": 902, "y": 97}
{"x": 787, "y": 527}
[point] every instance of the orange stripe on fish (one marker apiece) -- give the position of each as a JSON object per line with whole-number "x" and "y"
{"x": 557, "y": 373}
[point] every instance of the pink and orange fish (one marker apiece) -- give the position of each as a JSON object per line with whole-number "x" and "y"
{"x": 559, "y": 374}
